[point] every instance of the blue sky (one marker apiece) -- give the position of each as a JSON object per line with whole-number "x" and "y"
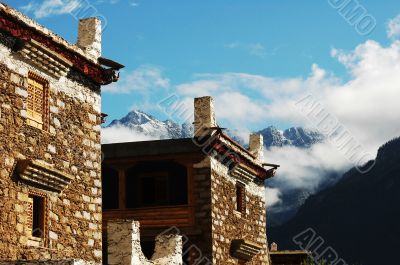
{"x": 259, "y": 59}
{"x": 179, "y": 41}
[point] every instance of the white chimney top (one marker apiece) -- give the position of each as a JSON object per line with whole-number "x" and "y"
{"x": 256, "y": 146}
{"x": 274, "y": 247}
{"x": 89, "y": 37}
{"x": 204, "y": 116}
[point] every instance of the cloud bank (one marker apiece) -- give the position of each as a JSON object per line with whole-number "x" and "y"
{"x": 120, "y": 134}
{"x": 144, "y": 79}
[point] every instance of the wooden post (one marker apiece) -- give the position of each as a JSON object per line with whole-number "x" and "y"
{"x": 121, "y": 189}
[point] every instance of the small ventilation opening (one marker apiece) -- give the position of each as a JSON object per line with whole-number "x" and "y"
{"x": 240, "y": 198}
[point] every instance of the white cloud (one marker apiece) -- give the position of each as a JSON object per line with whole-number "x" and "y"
{"x": 272, "y": 196}
{"x": 255, "y": 49}
{"x": 393, "y": 27}
{"x": 122, "y": 134}
{"x": 143, "y": 79}
{"x": 111, "y": 2}
{"x": 367, "y": 104}
{"x": 243, "y": 100}
{"x": 231, "y": 105}
{"x": 77, "y": 8}
{"x": 304, "y": 168}
{"x": 133, "y": 4}
{"x": 51, "y": 7}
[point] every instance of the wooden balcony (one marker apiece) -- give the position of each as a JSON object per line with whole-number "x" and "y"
{"x": 155, "y": 217}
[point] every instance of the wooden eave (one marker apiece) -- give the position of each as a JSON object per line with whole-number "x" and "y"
{"x": 19, "y": 29}
{"x": 239, "y": 157}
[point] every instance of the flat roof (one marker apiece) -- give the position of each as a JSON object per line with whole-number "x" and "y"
{"x": 290, "y": 252}
{"x": 148, "y": 148}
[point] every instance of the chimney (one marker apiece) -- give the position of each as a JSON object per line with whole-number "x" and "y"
{"x": 256, "y": 146}
{"x": 274, "y": 246}
{"x": 89, "y": 37}
{"x": 204, "y": 116}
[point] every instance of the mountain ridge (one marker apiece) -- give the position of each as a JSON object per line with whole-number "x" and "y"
{"x": 355, "y": 213}
{"x": 146, "y": 124}
{"x": 141, "y": 122}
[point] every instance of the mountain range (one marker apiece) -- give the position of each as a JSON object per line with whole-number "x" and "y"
{"x": 295, "y": 136}
{"x": 143, "y": 123}
{"x": 358, "y": 217}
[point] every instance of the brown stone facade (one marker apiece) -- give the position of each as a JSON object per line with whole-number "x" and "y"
{"x": 199, "y": 245}
{"x": 210, "y": 230}
{"x": 228, "y": 224}
{"x": 71, "y": 145}
{"x": 223, "y": 220}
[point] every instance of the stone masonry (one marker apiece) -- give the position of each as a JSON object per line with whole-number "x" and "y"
{"x": 65, "y": 152}
{"x": 47, "y": 262}
{"x": 227, "y": 224}
{"x": 71, "y": 145}
{"x": 124, "y": 246}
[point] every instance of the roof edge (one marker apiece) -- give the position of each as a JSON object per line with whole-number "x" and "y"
{"x": 38, "y": 27}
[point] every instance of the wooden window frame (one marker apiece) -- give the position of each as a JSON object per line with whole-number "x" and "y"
{"x": 42, "y": 216}
{"x": 42, "y": 122}
{"x": 240, "y": 189}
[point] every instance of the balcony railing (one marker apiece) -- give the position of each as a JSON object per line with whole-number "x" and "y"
{"x": 155, "y": 217}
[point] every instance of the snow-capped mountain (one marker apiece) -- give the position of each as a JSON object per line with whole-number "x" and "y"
{"x": 295, "y": 136}
{"x": 142, "y": 123}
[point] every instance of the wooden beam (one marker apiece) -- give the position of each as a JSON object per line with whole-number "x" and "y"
{"x": 154, "y": 216}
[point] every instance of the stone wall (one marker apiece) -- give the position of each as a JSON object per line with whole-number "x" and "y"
{"x": 71, "y": 145}
{"x": 199, "y": 246}
{"x": 124, "y": 246}
{"x": 228, "y": 224}
{"x": 47, "y": 262}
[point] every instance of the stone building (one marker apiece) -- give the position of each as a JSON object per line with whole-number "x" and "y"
{"x": 209, "y": 189}
{"x": 288, "y": 257}
{"x": 50, "y": 152}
